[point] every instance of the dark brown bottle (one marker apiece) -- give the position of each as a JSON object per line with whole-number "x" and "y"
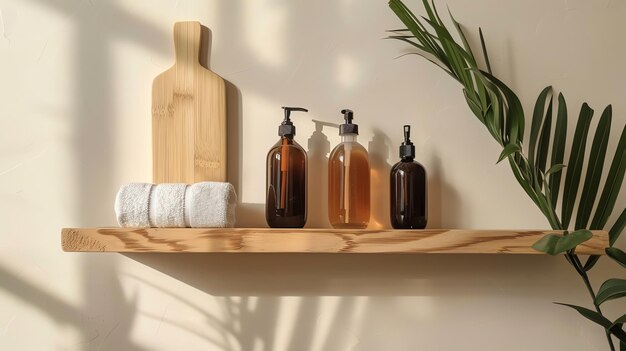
{"x": 286, "y": 179}
{"x": 409, "y": 200}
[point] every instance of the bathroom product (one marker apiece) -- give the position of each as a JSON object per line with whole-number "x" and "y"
{"x": 188, "y": 115}
{"x": 348, "y": 179}
{"x": 210, "y": 205}
{"x": 132, "y": 204}
{"x": 167, "y": 205}
{"x": 204, "y": 204}
{"x": 408, "y": 190}
{"x": 286, "y": 179}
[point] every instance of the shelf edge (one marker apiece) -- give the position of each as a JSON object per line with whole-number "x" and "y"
{"x": 269, "y": 240}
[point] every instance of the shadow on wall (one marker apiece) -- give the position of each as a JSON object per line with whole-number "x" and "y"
{"x": 248, "y": 214}
{"x": 250, "y": 287}
{"x": 378, "y": 149}
{"x": 318, "y": 151}
{"x": 254, "y": 290}
{"x": 95, "y": 332}
{"x": 443, "y": 199}
{"x": 353, "y": 274}
{"x": 93, "y": 136}
{"x": 318, "y": 154}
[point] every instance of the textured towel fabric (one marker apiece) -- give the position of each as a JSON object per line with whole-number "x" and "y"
{"x": 206, "y": 204}
{"x": 210, "y": 204}
{"x": 167, "y": 205}
{"x": 131, "y": 205}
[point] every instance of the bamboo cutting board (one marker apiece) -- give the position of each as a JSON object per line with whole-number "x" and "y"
{"x": 188, "y": 116}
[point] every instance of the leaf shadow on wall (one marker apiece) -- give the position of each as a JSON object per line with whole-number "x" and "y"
{"x": 95, "y": 155}
{"x": 92, "y": 143}
{"x": 361, "y": 285}
{"x": 252, "y": 288}
{"x": 237, "y": 279}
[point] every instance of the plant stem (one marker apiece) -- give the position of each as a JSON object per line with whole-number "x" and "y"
{"x": 585, "y": 277}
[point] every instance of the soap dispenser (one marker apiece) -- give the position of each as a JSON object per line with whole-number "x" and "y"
{"x": 349, "y": 179}
{"x": 408, "y": 190}
{"x": 286, "y": 181}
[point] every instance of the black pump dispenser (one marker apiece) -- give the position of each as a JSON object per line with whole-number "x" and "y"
{"x": 287, "y": 128}
{"x": 407, "y": 149}
{"x": 348, "y": 127}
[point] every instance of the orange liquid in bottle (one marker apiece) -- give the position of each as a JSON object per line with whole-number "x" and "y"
{"x": 349, "y": 185}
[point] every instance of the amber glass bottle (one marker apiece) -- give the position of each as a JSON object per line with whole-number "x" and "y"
{"x": 349, "y": 179}
{"x": 286, "y": 179}
{"x": 408, "y": 189}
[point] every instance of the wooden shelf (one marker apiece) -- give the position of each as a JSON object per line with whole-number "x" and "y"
{"x": 266, "y": 240}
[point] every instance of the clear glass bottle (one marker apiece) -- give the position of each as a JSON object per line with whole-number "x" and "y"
{"x": 286, "y": 205}
{"x": 408, "y": 192}
{"x": 349, "y": 179}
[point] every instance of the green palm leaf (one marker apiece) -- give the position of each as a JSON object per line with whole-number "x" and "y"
{"x": 575, "y": 164}
{"x": 610, "y": 290}
{"x": 535, "y": 125}
{"x": 544, "y": 141}
{"x": 617, "y": 255}
{"x": 612, "y": 185}
{"x": 594, "y": 169}
{"x": 515, "y": 111}
{"x": 500, "y": 110}
{"x": 617, "y": 228}
{"x": 482, "y": 44}
{"x": 558, "y": 148}
{"x": 598, "y": 319}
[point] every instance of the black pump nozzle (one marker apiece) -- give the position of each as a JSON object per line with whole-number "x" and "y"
{"x": 348, "y": 115}
{"x": 407, "y": 149}
{"x": 287, "y": 128}
{"x": 348, "y": 127}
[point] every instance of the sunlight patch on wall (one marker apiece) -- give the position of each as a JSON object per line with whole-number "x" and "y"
{"x": 252, "y": 303}
{"x": 286, "y": 321}
{"x": 347, "y": 8}
{"x": 287, "y": 316}
{"x": 265, "y": 28}
{"x": 346, "y": 71}
{"x": 328, "y": 310}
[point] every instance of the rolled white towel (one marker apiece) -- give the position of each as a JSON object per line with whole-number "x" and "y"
{"x": 167, "y": 205}
{"x": 131, "y": 205}
{"x": 210, "y": 204}
{"x": 206, "y": 204}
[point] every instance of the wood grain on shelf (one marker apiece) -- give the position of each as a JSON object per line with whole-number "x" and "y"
{"x": 188, "y": 116}
{"x": 265, "y": 240}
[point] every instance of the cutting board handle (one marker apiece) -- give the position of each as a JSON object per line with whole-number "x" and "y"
{"x": 187, "y": 40}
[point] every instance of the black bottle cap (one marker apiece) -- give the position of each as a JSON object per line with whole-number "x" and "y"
{"x": 407, "y": 149}
{"x": 287, "y": 128}
{"x": 348, "y": 127}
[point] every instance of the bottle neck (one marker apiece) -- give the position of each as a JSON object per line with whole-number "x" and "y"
{"x": 407, "y": 159}
{"x": 348, "y": 137}
{"x": 286, "y": 139}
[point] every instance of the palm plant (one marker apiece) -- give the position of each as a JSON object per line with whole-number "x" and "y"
{"x": 538, "y": 162}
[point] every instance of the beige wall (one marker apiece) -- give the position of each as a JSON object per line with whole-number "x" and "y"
{"x": 75, "y": 125}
